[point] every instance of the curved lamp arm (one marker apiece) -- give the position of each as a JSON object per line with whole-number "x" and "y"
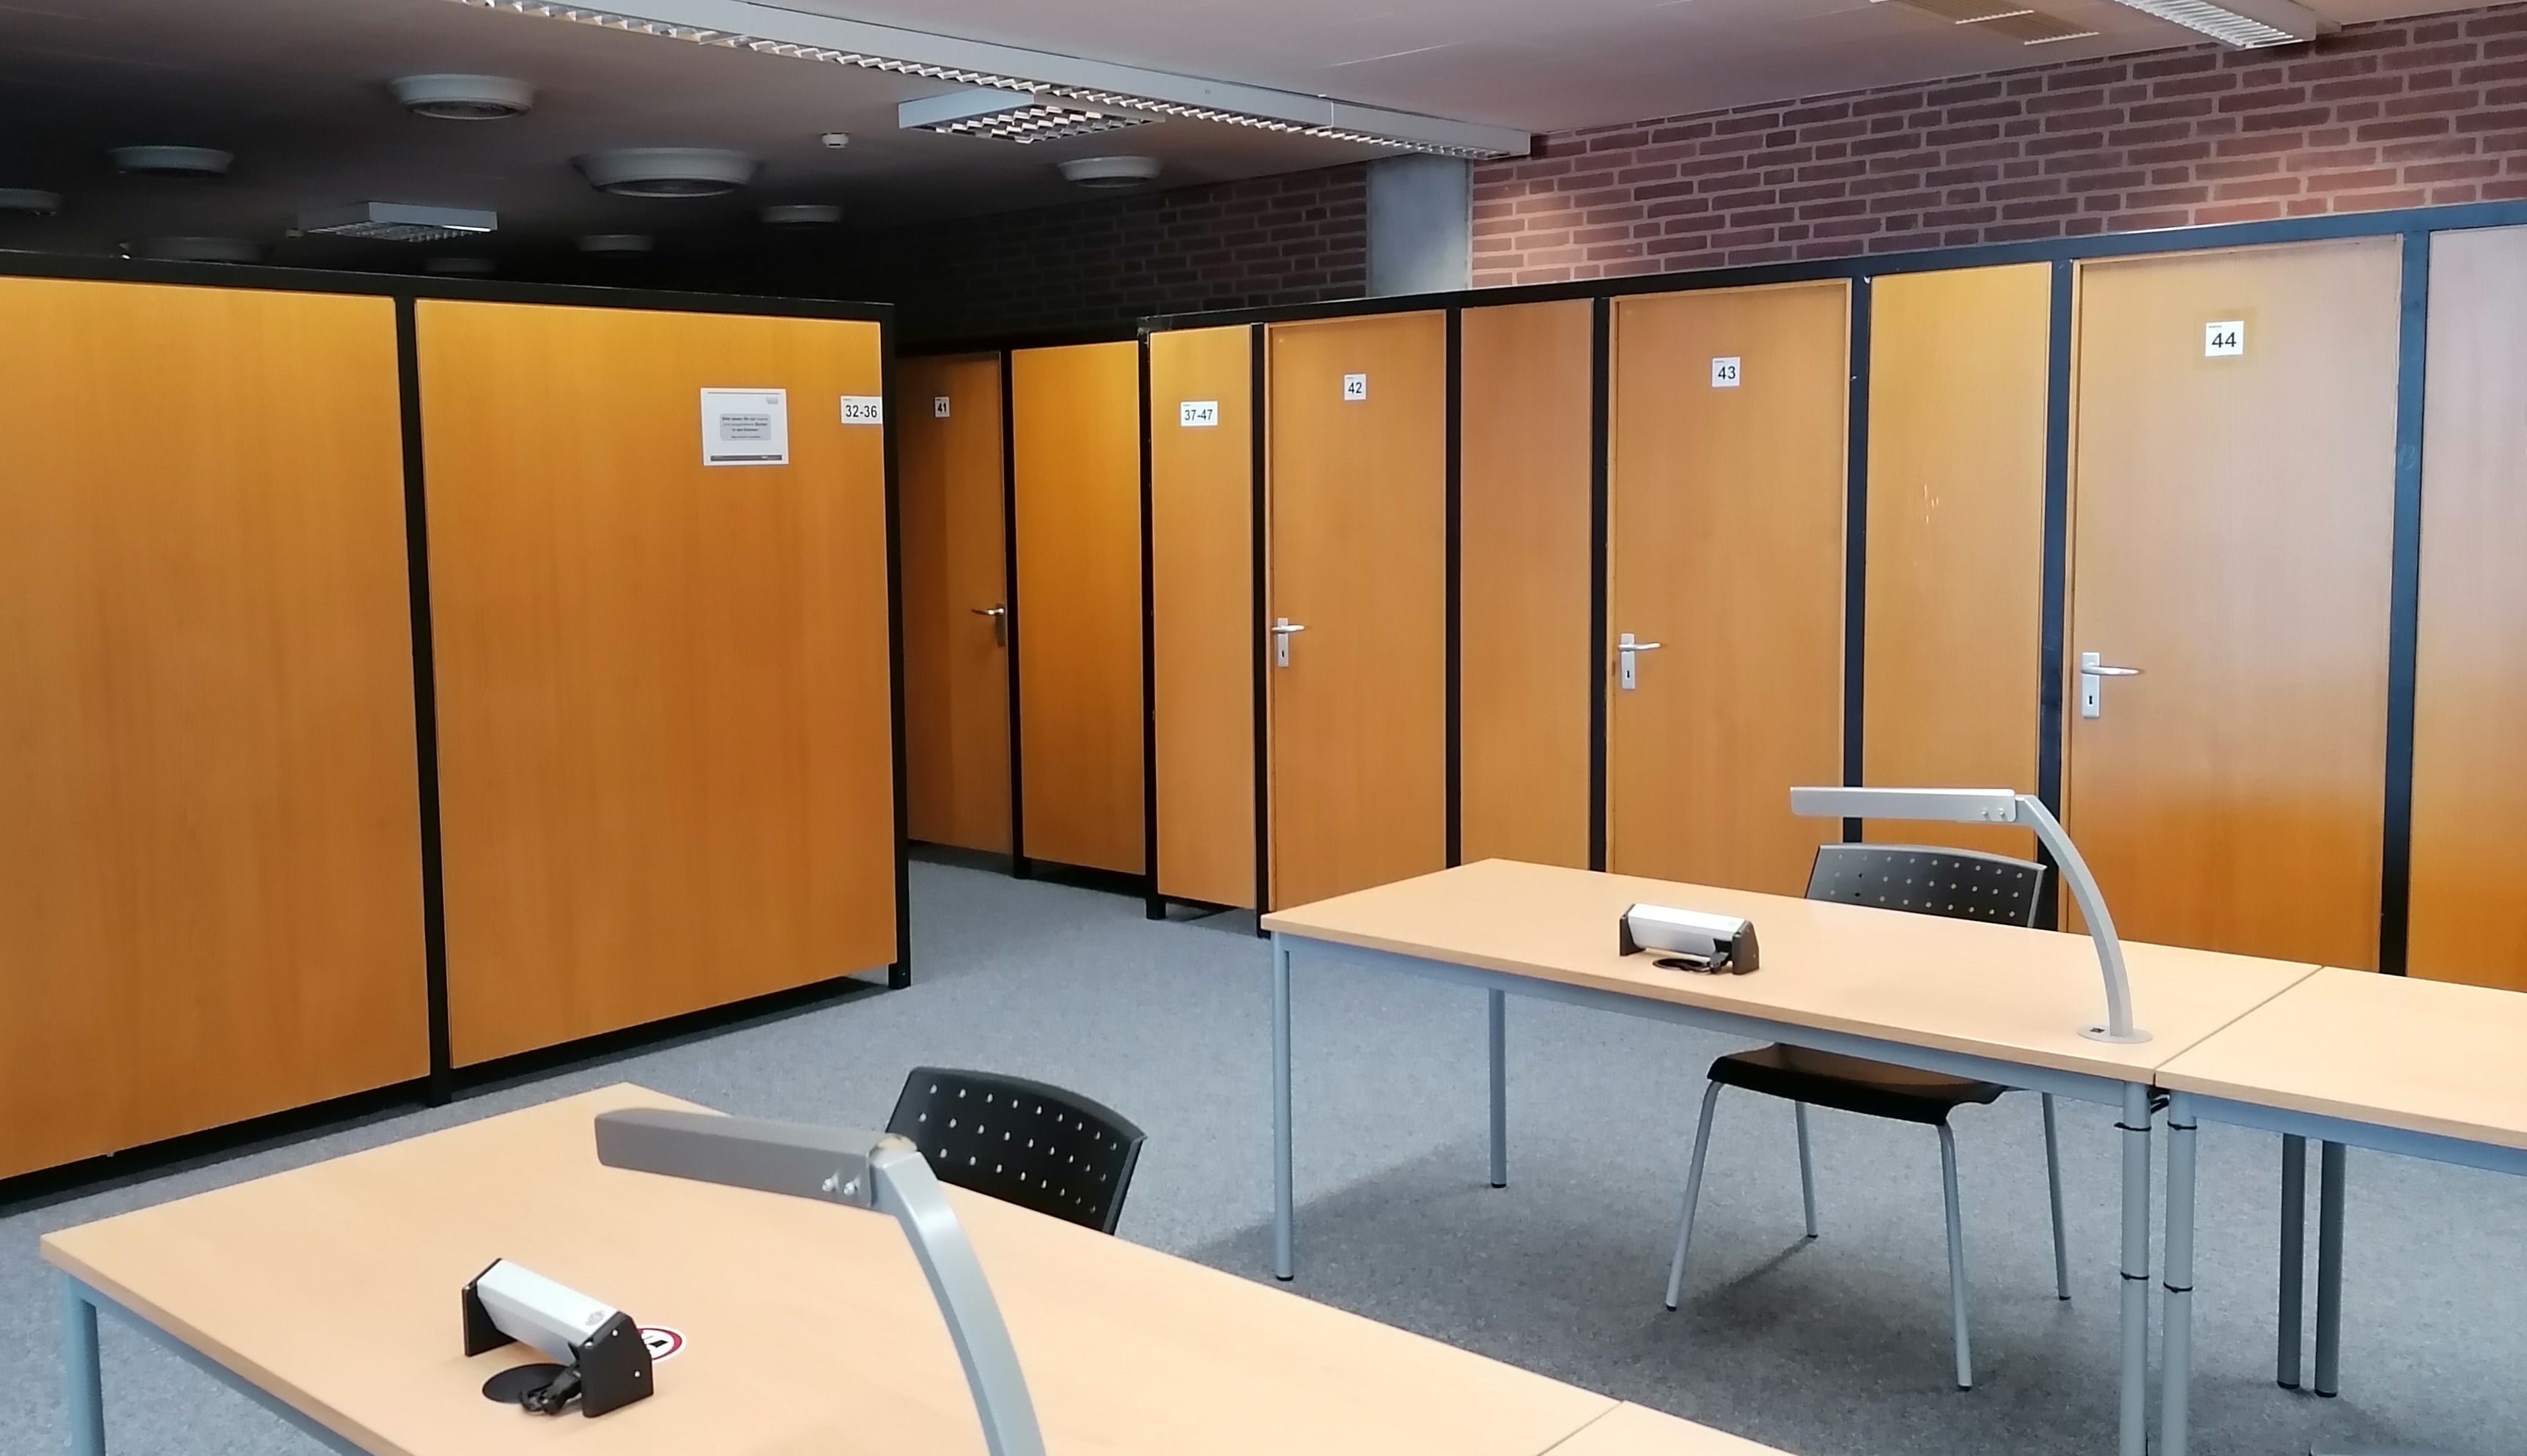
{"x": 864, "y": 1170}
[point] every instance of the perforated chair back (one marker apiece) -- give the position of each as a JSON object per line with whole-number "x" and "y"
{"x": 1960, "y": 884}
{"x": 1023, "y": 1142}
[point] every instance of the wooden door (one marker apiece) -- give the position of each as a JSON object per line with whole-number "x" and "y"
{"x": 210, "y": 842}
{"x": 666, "y": 748}
{"x": 1202, "y": 611}
{"x": 1526, "y": 665}
{"x": 1358, "y": 469}
{"x": 2231, "y": 521}
{"x": 1075, "y": 438}
{"x": 948, "y": 471}
{"x": 1726, "y": 520}
{"x": 2470, "y": 866}
{"x": 1953, "y": 684}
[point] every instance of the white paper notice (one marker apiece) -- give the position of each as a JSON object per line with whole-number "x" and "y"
{"x": 745, "y": 427}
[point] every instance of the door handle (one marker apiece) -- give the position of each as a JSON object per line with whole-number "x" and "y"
{"x": 2093, "y": 672}
{"x": 1283, "y": 629}
{"x": 1627, "y": 660}
{"x": 1000, "y": 616}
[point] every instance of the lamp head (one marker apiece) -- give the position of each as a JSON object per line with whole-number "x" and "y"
{"x": 1942, "y": 806}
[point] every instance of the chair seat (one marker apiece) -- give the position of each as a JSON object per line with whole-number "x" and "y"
{"x": 1852, "y": 1084}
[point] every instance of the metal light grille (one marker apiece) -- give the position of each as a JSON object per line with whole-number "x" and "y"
{"x": 1039, "y": 121}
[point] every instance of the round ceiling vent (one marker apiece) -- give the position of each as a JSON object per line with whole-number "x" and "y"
{"x": 463, "y": 98}
{"x": 30, "y": 200}
{"x": 460, "y": 267}
{"x": 616, "y": 243}
{"x": 171, "y": 161}
{"x": 1110, "y": 172}
{"x": 667, "y": 172}
{"x": 802, "y": 215}
{"x": 198, "y": 249}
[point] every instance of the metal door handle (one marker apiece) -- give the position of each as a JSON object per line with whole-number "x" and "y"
{"x": 1000, "y": 616}
{"x": 1627, "y": 660}
{"x": 1283, "y": 629}
{"x": 2093, "y": 671}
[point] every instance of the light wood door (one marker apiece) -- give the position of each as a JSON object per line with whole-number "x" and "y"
{"x": 664, "y": 695}
{"x": 949, "y": 473}
{"x": 210, "y": 844}
{"x": 1202, "y": 611}
{"x": 1726, "y": 517}
{"x": 2469, "y": 864}
{"x": 2231, "y": 538}
{"x": 1076, "y": 433}
{"x": 1526, "y": 666}
{"x": 1359, "y": 561}
{"x": 1954, "y": 677}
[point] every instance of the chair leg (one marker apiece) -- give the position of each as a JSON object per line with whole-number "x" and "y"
{"x": 1693, "y": 1195}
{"x": 2053, "y": 1185}
{"x": 1807, "y": 1169}
{"x": 1956, "y": 1257}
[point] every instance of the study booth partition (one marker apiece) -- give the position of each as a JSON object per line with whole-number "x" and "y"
{"x": 1902, "y": 519}
{"x": 390, "y": 691}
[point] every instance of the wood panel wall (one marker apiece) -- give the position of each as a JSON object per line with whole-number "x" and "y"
{"x": 949, "y": 471}
{"x": 1075, "y": 431}
{"x": 1525, "y": 663}
{"x": 666, "y": 754}
{"x": 1201, "y": 616}
{"x": 1953, "y": 679}
{"x": 210, "y": 865}
{"x": 2469, "y": 864}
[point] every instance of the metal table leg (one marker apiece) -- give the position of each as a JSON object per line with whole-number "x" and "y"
{"x": 2176, "y": 1365}
{"x": 83, "y": 1377}
{"x": 2134, "y": 1124}
{"x": 2329, "y": 1267}
{"x": 1500, "y": 1087}
{"x": 2294, "y": 1270}
{"x": 1284, "y": 1202}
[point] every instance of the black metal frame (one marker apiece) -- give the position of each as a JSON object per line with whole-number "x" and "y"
{"x": 2414, "y": 225}
{"x": 443, "y": 1079}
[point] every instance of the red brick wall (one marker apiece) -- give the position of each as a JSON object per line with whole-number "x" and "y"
{"x": 2395, "y": 113}
{"x": 1300, "y": 238}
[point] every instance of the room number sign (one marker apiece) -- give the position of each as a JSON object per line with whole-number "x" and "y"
{"x": 1726, "y": 373}
{"x": 1355, "y": 387}
{"x": 1198, "y": 414}
{"x": 2225, "y": 340}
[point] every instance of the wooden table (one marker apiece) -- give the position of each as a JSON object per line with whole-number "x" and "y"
{"x": 1994, "y": 1002}
{"x": 1638, "y": 1431}
{"x": 2427, "y": 1068}
{"x": 330, "y": 1294}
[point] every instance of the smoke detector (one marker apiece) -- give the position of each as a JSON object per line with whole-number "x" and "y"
{"x": 837, "y": 141}
{"x": 463, "y": 98}
{"x": 667, "y": 172}
{"x": 198, "y": 249}
{"x": 801, "y": 215}
{"x": 616, "y": 244}
{"x": 171, "y": 161}
{"x": 398, "y": 222}
{"x": 1011, "y": 116}
{"x": 460, "y": 267}
{"x": 1110, "y": 174}
{"x": 32, "y": 201}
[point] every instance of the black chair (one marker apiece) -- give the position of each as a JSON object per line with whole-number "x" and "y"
{"x": 1957, "y": 883}
{"x": 1024, "y": 1142}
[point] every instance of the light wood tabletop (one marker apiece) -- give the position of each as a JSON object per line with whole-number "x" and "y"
{"x": 808, "y": 1326}
{"x": 1997, "y": 991}
{"x": 1638, "y": 1431}
{"x": 2431, "y": 1057}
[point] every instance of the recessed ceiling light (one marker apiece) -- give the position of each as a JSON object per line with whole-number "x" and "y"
{"x": 33, "y": 201}
{"x": 1011, "y": 116}
{"x": 801, "y": 214}
{"x": 198, "y": 249}
{"x": 463, "y": 98}
{"x": 172, "y": 160}
{"x": 667, "y": 172}
{"x": 460, "y": 267}
{"x": 398, "y": 222}
{"x": 836, "y": 140}
{"x": 1107, "y": 173}
{"x": 616, "y": 243}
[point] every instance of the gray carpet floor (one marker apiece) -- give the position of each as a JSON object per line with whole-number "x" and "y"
{"x": 1837, "y": 1347}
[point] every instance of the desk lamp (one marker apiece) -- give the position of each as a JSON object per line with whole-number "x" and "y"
{"x": 861, "y": 1169}
{"x": 2000, "y": 807}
